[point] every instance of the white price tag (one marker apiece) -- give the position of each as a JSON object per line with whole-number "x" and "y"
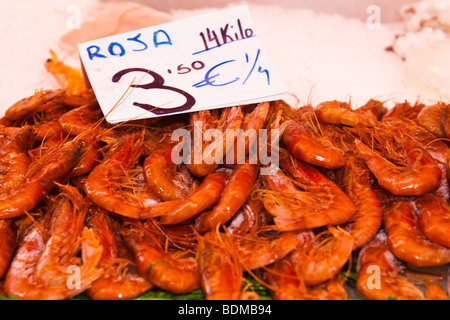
{"x": 206, "y": 62}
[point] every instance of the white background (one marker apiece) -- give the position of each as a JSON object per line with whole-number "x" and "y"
{"x": 29, "y": 29}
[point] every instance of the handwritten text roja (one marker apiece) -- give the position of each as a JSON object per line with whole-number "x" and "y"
{"x": 136, "y": 43}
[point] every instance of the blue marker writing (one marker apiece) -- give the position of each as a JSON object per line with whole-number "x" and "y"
{"x": 113, "y": 45}
{"x": 136, "y": 38}
{"x": 208, "y": 78}
{"x": 157, "y": 42}
{"x": 261, "y": 70}
{"x": 93, "y": 51}
{"x": 253, "y": 67}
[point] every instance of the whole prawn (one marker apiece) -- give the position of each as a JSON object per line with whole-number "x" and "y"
{"x": 434, "y": 218}
{"x": 405, "y": 116}
{"x": 120, "y": 278}
{"x": 206, "y": 195}
{"x": 323, "y": 256}
{"x": 314, "y": 150}
{"x": 14, "y": 160}
{"x": 405, "y": 239}
{"x": 103, "y": 185}
{"x": 234, "y": 195}
{"x": 230, "y": 120}
{"x": 335, "y": 113}
{"x": 177, "y": 272}
{"x": 221, "y": 274}
{"x": 62, "y": 246}
{"x": 257, "y": 250}
{"x": 244, "y": 145}
{"x": 367, "y": 220}
{"x": 284, "y": 284}
{"x": 437, "y": 149}
{"x": 200, "y": 122}
{"x": 321, "y": 203}
{"x": 41, "y": 267}
{"x": 28, "y": 106}
{"x": 419, "y": 176}
{"x": 87, "y": 117}
{"x": 379, "y": 273}
{"x": 161, "y": 174}
{"x": 42, "y": 177}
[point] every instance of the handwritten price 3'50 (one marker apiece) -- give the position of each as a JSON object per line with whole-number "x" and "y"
{"x": 211, "y": 78}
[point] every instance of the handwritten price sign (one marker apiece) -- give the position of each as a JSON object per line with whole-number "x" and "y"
{"x": 206, "y": 62}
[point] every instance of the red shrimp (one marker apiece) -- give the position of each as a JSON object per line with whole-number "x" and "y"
{"x": 205, "y": 196}
{"x": 201, "y": 122}
{"x": 249, "y": 218}
{"x": 419, "y": 176}
{"x": 61, "y": 248}
{"x": 220, "y": 272}
{"x": 42, "y": 177}
{"x": 228, "y": 124}
{"x": 87, "y": 117}
{"x": 429, "y": 118}
{"x": 14, "y": 160}
{"x": 284, "y": 284}
{"x": 88, "y": 162}
{"x": 42, "y": 269}
{"x": 434, "y": 218}
{"x": 8, "y": 240}
{"x": 161, "y": 174}
{"x": 103, "y": 185}
{"x": 366, "y": 222}
{"x": 120, "y": 279}
{"x": 26, "y": 107}
{"x": 405, "y": 239}
{"x": 335, "y": 113}
{"x": 234, "y": 195}
{"x": 437, "y": 148}
{"x": 174, "y": 272}
{"x": 256, "y": 251}
{"x": 433, "y": 291}
{"x": 321, "y": 203}
{"x": 20, "y": 281}
{"x": 247, "y": 137}
{"x": 321, "y": 259}
{"x": 379, "y": 274}
{"x": 305, "y": 146}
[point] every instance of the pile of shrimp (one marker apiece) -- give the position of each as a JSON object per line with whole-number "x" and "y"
{"x": 92, "y": 208}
